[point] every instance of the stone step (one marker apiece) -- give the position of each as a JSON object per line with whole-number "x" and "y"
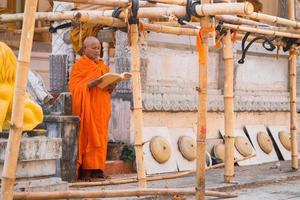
{"x": 41, "y": 185}
{"x": 118, "y": 167}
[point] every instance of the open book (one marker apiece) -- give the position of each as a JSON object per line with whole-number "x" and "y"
{"x": 112, "y": 78}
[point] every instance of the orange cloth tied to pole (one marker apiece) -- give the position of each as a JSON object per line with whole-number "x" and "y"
{"x": 201, "y": 52}
{"x": 93, "y": 107}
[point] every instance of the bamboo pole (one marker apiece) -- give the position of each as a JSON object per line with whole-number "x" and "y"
{"x": 228, "y": 108}
{"x": 293, "y": 94}
{"x": 151, "y": 178}
{"x": 202, "y": 111}
{"x": 170, "y": 30}
{"x": 137, "y": 105}
{"x": 152, "y": 13}
{"x": 293, "y": 110}
{"x": 261, "y": 31}
{"x": 274, "y": 20}
{"x": 15, "y": 133}
{"x": 239, "y": 20}
{"x": 114, "y": 3}
{"x": 176, "y": 2}
{"x": 115, "y": 193}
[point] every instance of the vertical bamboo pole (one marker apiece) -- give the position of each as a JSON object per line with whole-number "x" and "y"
{"x": 202, "y": 113}
{"x": 293, "y": 97}
{"x": 137, "y": 105}
{"x": 15, "y": 133}
{"x": 228, "y": 108}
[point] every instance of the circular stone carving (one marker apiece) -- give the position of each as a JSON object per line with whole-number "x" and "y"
{"x": 187, "y": 147}
{"x": 219, "y": 151}
{"x": 160, "y": 149}
{"x": 265, "y": 142}
{"x": 243, "y": 146}
{"x": 285, "y": 140}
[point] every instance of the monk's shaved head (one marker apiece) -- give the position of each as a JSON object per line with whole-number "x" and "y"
{"x": 89, "y": 41}
{"x": 91, "y": 48}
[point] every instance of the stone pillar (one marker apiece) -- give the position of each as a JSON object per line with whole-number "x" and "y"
{"x": 62, "y": 51}
{"x": 282, "y": 8}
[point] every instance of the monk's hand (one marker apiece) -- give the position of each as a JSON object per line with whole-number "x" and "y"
{"x": 111, "y": 88}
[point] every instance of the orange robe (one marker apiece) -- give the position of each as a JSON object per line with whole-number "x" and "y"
{"x": 93, "y": 107}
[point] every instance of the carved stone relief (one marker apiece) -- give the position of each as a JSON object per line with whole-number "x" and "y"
{"x": 170, "y": 76}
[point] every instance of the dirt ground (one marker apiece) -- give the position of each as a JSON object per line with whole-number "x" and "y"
{"x": 272, "y": 181}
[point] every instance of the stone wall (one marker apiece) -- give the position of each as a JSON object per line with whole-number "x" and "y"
{"x": 169, "y": 74}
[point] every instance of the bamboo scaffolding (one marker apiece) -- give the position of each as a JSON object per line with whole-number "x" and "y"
{"x": 178, "y": 11}
{"x": 228, "y": 108}
{"x": 15, "y": 133}
{"x": 202, "y": 111}
{"x": 151, "y": 178}
{"x": 117, "y": 193}
{"x": 254, "y": 15}
{"x": 293, "y": 94}
{"x": 137, "y": 105}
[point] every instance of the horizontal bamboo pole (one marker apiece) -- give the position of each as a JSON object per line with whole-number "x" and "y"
{"x": 176, "y": 2}
{"x": 114, "y": 3}
{"x": 178, "y": 11}
{"x": 239, "y": 20}
{"x": 170, "y": 30}
{"x": 261, "y": 31}
{"x": 254, "y": 15}
{"x": 151, "y": 178}
{"x": 115, "y": 193}
{"x": 274, "y": 20}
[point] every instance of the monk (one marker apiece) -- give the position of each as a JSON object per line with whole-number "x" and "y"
{"x": 93, "y": 106}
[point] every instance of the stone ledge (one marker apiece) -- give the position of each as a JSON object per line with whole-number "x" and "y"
{"x": 36, "y": 148}
{"x": 189, "y": 102}
{"x": 34, "y": 168}
{"x": 41, "y": 185}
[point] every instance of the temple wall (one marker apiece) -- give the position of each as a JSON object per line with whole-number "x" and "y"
{"x": 169, "y": 74}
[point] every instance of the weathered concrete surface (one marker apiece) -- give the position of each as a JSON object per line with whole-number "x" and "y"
{"x": 35, "y": 148}
{"x": 36, "y": 168}
{"x": 248, "y": 179}
{"x": 40, "y": 185}
{"x": 65, "y": 128}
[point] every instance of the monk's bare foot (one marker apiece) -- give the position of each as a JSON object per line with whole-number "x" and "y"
{"x": 98, "y": 174}
{"x": 85, "y": 175}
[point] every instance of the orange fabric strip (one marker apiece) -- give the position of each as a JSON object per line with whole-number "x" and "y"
{"x": 202, "y": 55}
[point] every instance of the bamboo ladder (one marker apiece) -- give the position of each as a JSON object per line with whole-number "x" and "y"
{"x": 15, "y": 133}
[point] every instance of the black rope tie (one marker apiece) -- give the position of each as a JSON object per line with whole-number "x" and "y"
{"x": 190, "y": 11}
{"x": 62, "y": 26}
{"x": 134, "y": 12}
{"x": 221, "y": 32}
{"x": 288, "y": 43}
{"x": 187, "y": 17}
{"x": 116, "y": 13}
{"x": 267, "y": 44}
